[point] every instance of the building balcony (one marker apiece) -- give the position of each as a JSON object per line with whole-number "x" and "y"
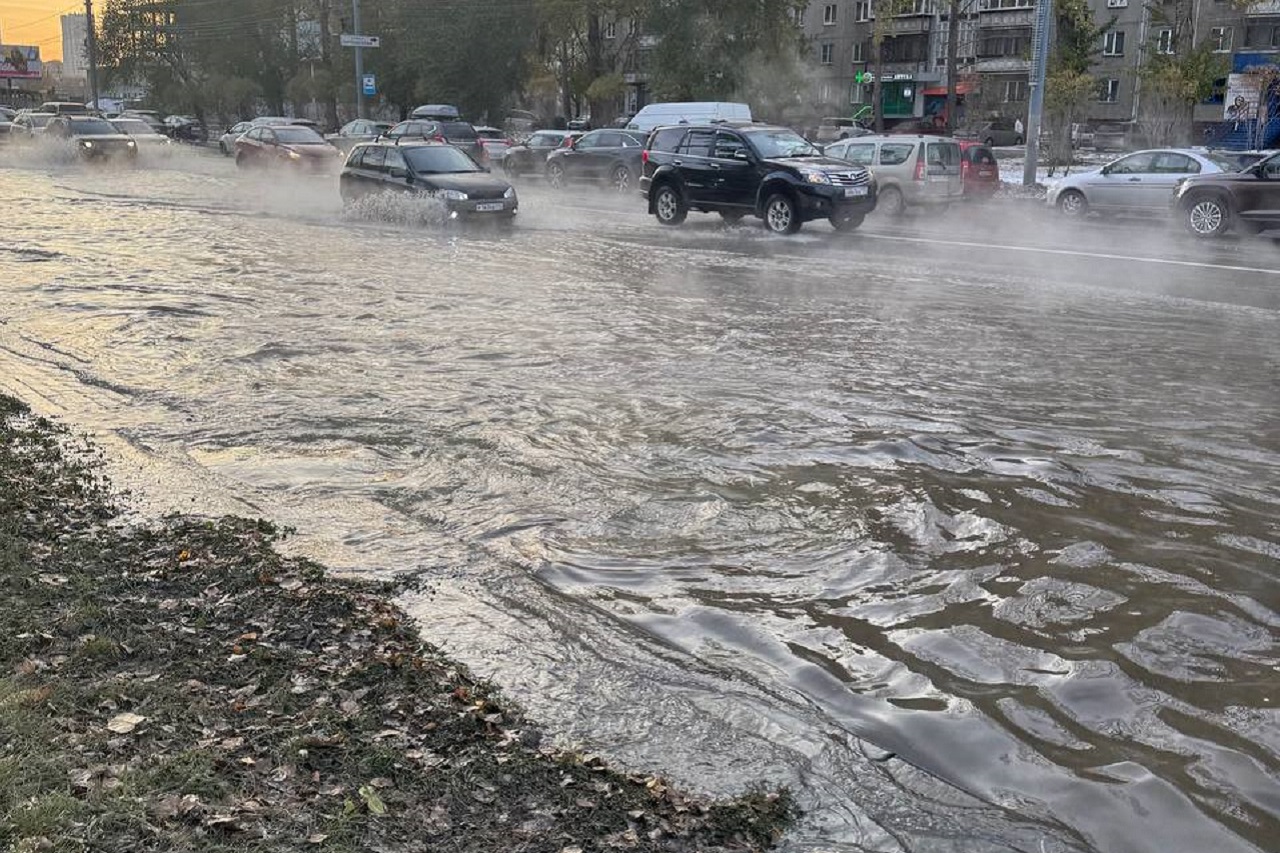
{"x": 908, "y": 26}
{"x": 1263, "y": 8}
{"x": 1007, "y": 18}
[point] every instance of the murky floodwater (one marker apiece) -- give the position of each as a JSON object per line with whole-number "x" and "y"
{"x": 974, "y": 554}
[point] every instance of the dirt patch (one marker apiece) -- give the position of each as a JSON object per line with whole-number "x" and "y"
{"x": 182, "y": 685}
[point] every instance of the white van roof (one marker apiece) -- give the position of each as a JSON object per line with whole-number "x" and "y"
{"x": 691, "y": 112}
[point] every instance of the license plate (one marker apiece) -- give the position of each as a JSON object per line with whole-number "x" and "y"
{"x": 487, "y": 208}
{"x": 850, "y": 192}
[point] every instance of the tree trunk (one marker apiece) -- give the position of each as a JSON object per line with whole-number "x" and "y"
{"x": 877, "y": 90}
{"x": 326, "y": 61}
{"x": 953, "y": 50}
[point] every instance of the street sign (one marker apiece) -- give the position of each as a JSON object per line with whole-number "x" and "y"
{"x": 369, "y": 84}
{"x": 348, "y": 40}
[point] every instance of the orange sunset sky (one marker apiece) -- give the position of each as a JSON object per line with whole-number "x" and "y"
{"x": 36, "y": 22}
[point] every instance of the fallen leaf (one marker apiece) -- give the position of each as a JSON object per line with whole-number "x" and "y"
{"x": 124, "y": 723}
{"x": 372, "y": 801}
{"x": 317, "y": 838}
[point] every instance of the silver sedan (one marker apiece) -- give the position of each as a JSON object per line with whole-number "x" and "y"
{"x": 1140, "y": 183}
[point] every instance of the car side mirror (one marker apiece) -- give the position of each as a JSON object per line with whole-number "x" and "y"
{"x": 742, "y": 154}
{"x": 1106, "y": 170}
{"x": 399, "y": 172}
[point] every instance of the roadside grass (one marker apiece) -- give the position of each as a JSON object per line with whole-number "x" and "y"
{"x": 183, "y": 686}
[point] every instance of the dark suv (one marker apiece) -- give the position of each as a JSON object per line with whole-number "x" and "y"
{"x": 1211, "y": 204}
{"x": 764, "y": 171}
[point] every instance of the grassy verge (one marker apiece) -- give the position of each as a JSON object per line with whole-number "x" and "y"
{"x": 183, "y": 686}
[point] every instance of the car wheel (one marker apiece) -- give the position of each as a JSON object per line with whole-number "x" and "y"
{"x": 892, "y": 202}
{"x": 222, "y": 146}
{"x": 848, "y": 222}
{"x": 620, "y": 180}
{"x": 1208, "y": 216}
{"x": 669, "y": 206}
{"x": 555, "y": 176}
{"x": 731, "y": 217}
{"x": 241, "y": 160}
{"x": 780, "y": 215}
{"x": 1073, "y": 203}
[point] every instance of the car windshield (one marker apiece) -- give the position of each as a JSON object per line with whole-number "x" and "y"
{"x": 780, "y": 143}
{"x": 295, "y": 135}
{"x": 93, "y": 127}
{"x": 491, "y": 134}
{"x": 134, "y": 127}
{"x": 437, "y": 159}
{"x": 38, "y": 120}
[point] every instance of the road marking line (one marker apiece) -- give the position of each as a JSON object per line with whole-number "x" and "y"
{"x": 1073, "y": 253}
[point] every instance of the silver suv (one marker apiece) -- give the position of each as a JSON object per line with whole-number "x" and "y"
{"x": 911, "y": 171}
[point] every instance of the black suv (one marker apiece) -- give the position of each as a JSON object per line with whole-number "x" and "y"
{"x": 736, "y": 170}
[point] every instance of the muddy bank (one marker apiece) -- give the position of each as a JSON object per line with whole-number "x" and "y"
{"x": 182, "y": 685}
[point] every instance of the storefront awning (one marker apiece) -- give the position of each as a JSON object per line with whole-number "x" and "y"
{"x": 961, "y": 89}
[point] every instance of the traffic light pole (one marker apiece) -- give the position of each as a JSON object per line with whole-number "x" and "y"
{"x": 355, "y": 25}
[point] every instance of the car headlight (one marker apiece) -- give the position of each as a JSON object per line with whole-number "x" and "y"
{"x": 130, "y": 143}
{"x": 86, "y": 143}
{"x": 453, "y": 195}
{"x": 294, "y": 155}
{"x": 816, "y": 177}
{"x": 510, "y": 193}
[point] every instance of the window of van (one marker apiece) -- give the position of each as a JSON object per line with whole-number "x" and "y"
{"x": 698, "y": 143}
{"x": 862, "y": 154}
{"x": 942, "y": 154}
{"x": 895, "y": 153}
{"x": 667, "y": 139}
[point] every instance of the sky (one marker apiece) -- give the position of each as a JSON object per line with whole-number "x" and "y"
{"x": 36, "y": 22}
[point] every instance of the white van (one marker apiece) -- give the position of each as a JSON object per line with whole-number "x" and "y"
{"x": 690, "y": 112}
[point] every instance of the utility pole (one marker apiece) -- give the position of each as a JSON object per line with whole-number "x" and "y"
{"x": 91, "y": 44}
{"x": 1039, "y": 68}
{"x": 355, "y": 25}
{"x": 953, "y": 53}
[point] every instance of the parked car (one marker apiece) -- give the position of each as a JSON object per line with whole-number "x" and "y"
{"x": 151, "y": 117}
{"x": 1142, "y": 182}
{"x": 833, "y": 129}
{"x": 997, "y": 132}
{"x": 186, "y": 129}
{"x": 29, "y": 125}
{"x": 1081, "y": 136}
{"x": 354, "y": 132}
{"x": 94, "y": 138}
{"x": 140, "y": 132}
{"x": 494, "y": 144}
{"x": 1212, "y": 204}
{"x": 1111, "y": 137}
{"x": 1242, "y": 159}
{"x": 285, "y": 145}
{"x": 459, "y": 134}
{"x": 687, "y": 112}
{"x": 918, "y": 127}
{"x": 430, "y": 168}
{"x": 911, "y": 171}
{"x": 580, "y": 124}
{"x": 608, "y": 157}
{"x": 439, "y": 112}
{"x": 979, "y": 171}
{"x": 520, "y": 123}
{"x": 530, "y": 157}
{"x": 751, "y": 170}
{"x": 7, "y": 114}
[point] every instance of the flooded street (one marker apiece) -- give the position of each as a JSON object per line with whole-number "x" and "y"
{"x": 967, "y": 530}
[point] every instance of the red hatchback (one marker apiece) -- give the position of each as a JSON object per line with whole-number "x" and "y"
{"x": 978, "y": 169}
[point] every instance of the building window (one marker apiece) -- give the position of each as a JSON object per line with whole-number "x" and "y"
{"x": 611, "y": 30}
{"x": 1109, "y": 91}
{"x": 857, "y": 93}
{"x": 1264, "y": 35}
{"x": 799, "y": 13}
{"x": 1010, "y": 42}
{"x": 634, "y": 28}
{"x": 862, "y": 10}
{"x": 824, "y": 93}
{"x": 1113, "y": 43}
{"x": 859, "y": 51}
{"x": 828, "y": 52}
{"x": 1220, "y": 38}
{"x": 829, "y": 15}
{"x": 992, "y": 5}
{"x": 1164, "y": 41}
{"x": 1015, "y": 91}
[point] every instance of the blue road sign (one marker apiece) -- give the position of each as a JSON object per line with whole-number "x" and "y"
{"x": 370, "y": 84}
